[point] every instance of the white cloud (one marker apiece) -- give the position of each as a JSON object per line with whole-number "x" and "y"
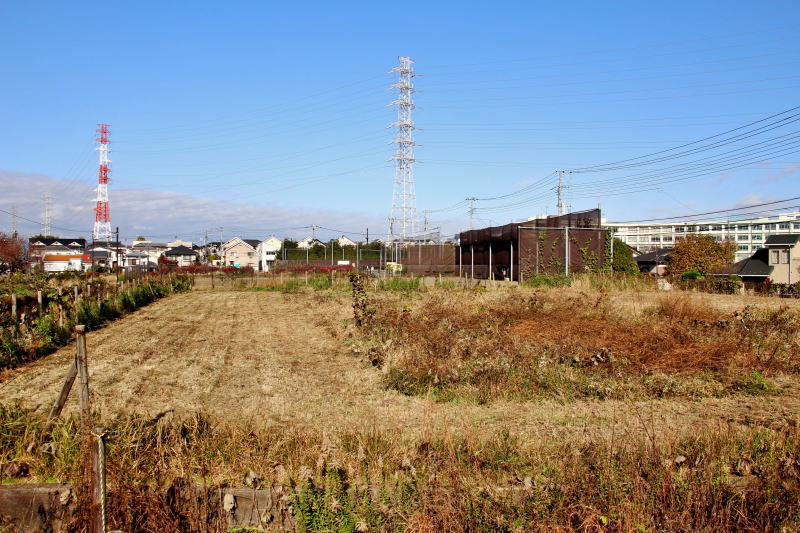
{"x": 782, "y": 173}
{"x": 163, "y": 214}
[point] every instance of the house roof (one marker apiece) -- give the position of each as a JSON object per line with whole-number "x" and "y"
{"x": 61, "y": 257}
{"x": 141, "y": 244}
{"x": 757, "y": 265}
{"x": 135, "y": 253}
{"x": 180, "y": 250}
{"x": 66, "y": 241}
{"x": 98, "y": 254}
{"x": 656, "y": 256}
{"x": 784, "y": 239}
{"x": 252, "y": 242}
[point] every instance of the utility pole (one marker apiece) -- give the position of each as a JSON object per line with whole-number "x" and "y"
{"x": 404, "y": 208}
{"x": 560, "y": 194}
{"x": 562, "y": 206}
{"x": 119, "y": 263}
{"x": 425, "y": 220}
{"x": 220, "y": 247}
{"x": 471, "y": 211}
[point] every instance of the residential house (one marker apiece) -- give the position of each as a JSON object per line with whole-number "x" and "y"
{"x": 39, "y": 247}
{"x": 309, "y": 242}
{"x": 62, "y": 262}
{"x": 273, "y": 241}
{"x": 267, "y": 252}
{"x": 784, "y": 257}
{"x": 154, "y": 250}
{"x": 345, "y": 241}
{"x": 105, "y": 254}
{"x": 653, "y": 263}
{"x": 182, "y": 255}
{"x": 755, "y": 268}
{"x": 210, "y": 253}
{"x": 136, "y": 260}
{"x": 240, "y": 253}
{"x": 178, "y": 242}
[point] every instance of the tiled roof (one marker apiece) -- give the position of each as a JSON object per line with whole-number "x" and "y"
{"x": 61, "y": 257}
{"x": 787, "y": 238}
{"x": 656, "y": 256}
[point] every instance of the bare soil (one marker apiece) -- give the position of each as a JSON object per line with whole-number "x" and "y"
{"x": 249, "y": 356}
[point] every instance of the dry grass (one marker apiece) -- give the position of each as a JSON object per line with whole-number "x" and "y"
{"x": 730, "y": 478}
{"x": 265, "y": 380}
{"x": 522, "y": 344}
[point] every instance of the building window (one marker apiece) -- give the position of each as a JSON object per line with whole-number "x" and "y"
{"x": 691, "y": 228}
{"x": 756, "y": 227}
{"x": 234, "y": 254}
{"x": 667, "y": 239}
{"x": 796, "y": 225}
{"x": 769, "y": 227}
{"x": 757, "y": 237}
{"x": 716, "y": 228}
{"x": 743, "y": 228}
{"x": 249, "y": 254}
{"x": 784, "y": 225}
{"x": 681, "y": 229}
{"x": 703, "y": 228}
{"x": 655, "y": 239}
{"x": 743, "y": 247}
{"x": 774, "y": 256}
{"x": 743, "y": 237}
{"x": 785, "y": 257}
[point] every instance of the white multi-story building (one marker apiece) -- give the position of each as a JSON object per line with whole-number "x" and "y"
{"x": 749, "y": 234}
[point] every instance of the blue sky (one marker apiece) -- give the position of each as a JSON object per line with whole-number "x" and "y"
{"x": 259, "y": 116}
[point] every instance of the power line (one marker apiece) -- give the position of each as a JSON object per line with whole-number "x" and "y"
{"x": 598, "y": 168}
{"x": 710, "y": 212}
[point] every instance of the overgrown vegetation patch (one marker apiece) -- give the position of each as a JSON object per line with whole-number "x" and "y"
{"x": 523, "y": 344}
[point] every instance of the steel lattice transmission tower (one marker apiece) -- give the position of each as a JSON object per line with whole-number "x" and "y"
{"x": 102, "y": 219}
{"x": 47, "y": 215}
{"x": 403, "y": 218}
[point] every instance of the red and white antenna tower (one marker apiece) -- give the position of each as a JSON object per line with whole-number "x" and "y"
{"x": 102, "y": 220}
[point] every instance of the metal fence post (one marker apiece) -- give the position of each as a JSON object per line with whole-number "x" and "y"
{"x": 566, "y": 251}
{"x": 472, "y": 259}
{"x": 512, "y": 260}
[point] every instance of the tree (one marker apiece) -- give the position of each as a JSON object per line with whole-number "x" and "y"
{"x": 701, "y": 253}
{"x": 622, "y": 260}
{"x": 140, "y": 238}
{"x": 13, "y": 253}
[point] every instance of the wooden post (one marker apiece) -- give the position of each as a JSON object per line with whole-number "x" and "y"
{"x": 98, "y": 485}
{"x": 83, "y": 375}
{"x": 39, "y": 301}
{"x": 77, "y": 295}
{"x": 58, "y": 406}
{"x": 14, "y": 306}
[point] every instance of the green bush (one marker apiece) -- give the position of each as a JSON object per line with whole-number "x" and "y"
{"x": 320, "y": 282}
{"x": 548, "y": 280}
{"x": 728, "y": 285}
{"x": 400, "y": 284}
{"x": 692, "y": 275}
